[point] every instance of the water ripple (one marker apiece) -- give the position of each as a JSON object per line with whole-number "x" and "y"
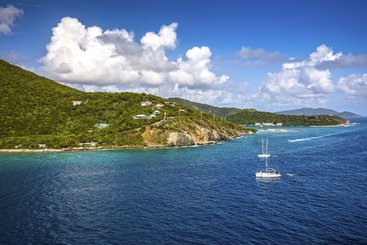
{"x": 203, "y": 195}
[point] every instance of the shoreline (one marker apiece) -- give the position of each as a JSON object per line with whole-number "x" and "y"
{"x": 275, "y": 130}
{"x": 336, "y": 125}
{"x": 116, "y": 148}
{"x": 51, "y": 150}
{"x": 330, "y": 126}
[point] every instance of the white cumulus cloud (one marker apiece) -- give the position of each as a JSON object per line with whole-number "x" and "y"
{"x": 93, "y": 56}
{"x": 301, "y": 82}
{"x": 8, "y": 15}
{"x": 195, "y": 70}
{"x": 346, "y": 61}
{"x": 354, "y": 85}
{"x": 166, "y": 38}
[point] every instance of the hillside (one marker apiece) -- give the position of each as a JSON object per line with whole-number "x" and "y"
{"x": 251, "y": 117}
{"x": 35, "y": 110}
{"x": 319, "y": 111}
{"x": 213, "y": 110}
{"x": 348, "y": 114}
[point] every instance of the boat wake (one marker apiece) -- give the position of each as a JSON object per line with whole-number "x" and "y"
{"x": 351, "y": 124}
{"x": 312, "y": 138}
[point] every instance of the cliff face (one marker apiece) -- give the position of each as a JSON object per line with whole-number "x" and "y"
{"x": 186, "y": 135}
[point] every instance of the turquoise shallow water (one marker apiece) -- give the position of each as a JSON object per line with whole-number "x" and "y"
{"x": 194, "y": 195}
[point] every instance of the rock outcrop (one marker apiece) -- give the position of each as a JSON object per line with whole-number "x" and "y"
{"x": 187, "y": 135}
{"x": 179, "y": 139}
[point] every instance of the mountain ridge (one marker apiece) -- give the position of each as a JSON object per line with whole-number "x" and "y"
{"x": 228, "y": 111}
{"x": 254, "y": 117}
{"x": 307, "y": 111}
{"x": 205, "y": 108}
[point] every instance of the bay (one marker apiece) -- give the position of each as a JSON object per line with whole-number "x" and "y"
{"x": 194, "y": 195}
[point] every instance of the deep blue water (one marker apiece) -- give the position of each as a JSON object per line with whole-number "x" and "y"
{"x": 201, "y": 195}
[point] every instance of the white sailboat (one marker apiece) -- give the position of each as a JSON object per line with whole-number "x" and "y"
{"x": 264, "y": 155}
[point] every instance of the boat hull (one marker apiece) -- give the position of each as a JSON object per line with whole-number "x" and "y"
{"x": 267, "y": 175}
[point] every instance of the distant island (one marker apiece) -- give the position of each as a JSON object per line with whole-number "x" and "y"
{"x": 319, "y": 111}
{"x": 39, "y": 114}
{"x": 253, "y": 117}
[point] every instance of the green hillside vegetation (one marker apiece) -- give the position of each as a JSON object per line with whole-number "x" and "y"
{"x": 35, "y": 110}
{"x": 319, "y": 111}
{"x": 220, "y": 112}
{"x": 306, "y": 111}
{"x": 250, "y": 117}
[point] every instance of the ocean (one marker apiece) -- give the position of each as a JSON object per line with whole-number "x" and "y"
{"x": 194, "y": 195}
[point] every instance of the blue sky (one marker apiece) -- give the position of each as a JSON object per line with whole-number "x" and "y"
{"x": 271, "y": 55}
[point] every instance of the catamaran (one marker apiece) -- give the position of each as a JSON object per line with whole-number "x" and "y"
{"x": 264, "y": 155}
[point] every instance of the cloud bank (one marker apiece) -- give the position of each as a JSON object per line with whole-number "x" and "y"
{"x": 8, "y": 15}
{"x": 302, "y": 82}
{"x": 354, "y": 85}
{"x": 309, "y": 81}
{"x": 93, "y": 59}
{"x": 77, "y": 54}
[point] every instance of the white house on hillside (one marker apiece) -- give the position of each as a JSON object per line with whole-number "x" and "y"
{"x": 145, "y": 103}
{"x": 101, "y": 125}
{"x": 92, "y": 144}
{"x": 141, "y": 116}
{"x": 77, "y": 102}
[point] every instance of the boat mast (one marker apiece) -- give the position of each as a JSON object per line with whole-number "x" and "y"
{"x": 266, "y": 153}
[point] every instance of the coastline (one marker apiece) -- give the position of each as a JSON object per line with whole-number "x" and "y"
{"x": 51, "y": 150}
{"x": 336, "y": 125}
{"x": 330, "y": 126}
{"x": 115, "y": 148}
{"x": 274, "y": 130}
{"x": 278, "y": 129}
{"x": 77, "y": 149}
{"x": 73, "y": 149}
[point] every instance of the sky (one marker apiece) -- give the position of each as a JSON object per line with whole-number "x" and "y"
{"x": 263, "y": 54}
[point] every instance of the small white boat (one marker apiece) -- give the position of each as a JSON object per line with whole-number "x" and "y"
{"x": 268, "y": 173}
{"x": 264, "y": 156}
